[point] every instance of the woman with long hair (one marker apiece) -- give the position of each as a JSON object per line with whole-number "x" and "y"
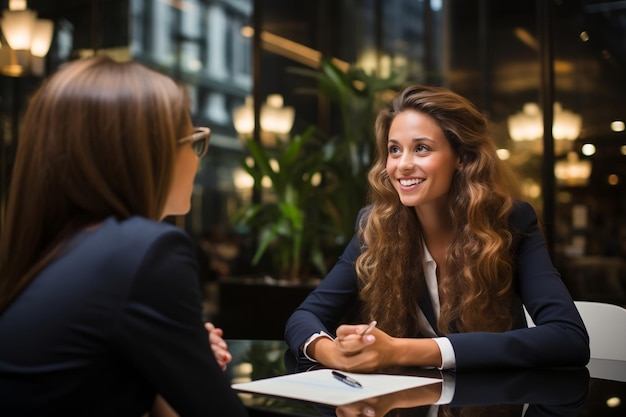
{"x": 100, "y": 307}
{"x": 444, "y": 258}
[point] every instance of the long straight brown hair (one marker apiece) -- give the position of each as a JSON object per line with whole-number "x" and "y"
{"x": 98, "y": 139}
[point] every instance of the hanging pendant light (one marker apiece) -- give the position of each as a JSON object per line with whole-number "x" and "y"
{"x": 276, "y": 119}
{"x": 527, "y": 126}
{"x": 28, "y": 38}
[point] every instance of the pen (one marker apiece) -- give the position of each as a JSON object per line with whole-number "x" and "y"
{"x": 347, "y": 380}
{"x": 368, "y": 328}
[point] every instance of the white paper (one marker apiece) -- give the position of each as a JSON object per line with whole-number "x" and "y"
{"x": 321, "y": 387}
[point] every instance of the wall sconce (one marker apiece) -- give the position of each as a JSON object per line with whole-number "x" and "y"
{"x": 276, "y": 119}
{"x": 573, "y": 171}
{"x": 28, "y": 40}
{"x": 527, "y": 125}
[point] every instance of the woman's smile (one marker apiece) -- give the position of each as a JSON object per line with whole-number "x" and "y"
{"x": 408, "y": 183}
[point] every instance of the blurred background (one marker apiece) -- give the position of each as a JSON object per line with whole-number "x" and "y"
{"x": 549, "y": 75}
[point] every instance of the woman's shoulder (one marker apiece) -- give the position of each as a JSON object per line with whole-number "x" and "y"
{"x": 523, "y": 220}
{"x": 123, "y": 244}
{"x": 136, "y": 232}
{"x": 138, "y": 224}
{"x": 522, "y": 213}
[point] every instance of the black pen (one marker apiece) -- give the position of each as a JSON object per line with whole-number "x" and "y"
{"x": 347, "y": 380}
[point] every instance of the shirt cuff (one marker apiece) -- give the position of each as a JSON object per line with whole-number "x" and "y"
{"x": 311, "y": 339}
{"x": 448, "y": 359}
{"x": 448, "y": 388}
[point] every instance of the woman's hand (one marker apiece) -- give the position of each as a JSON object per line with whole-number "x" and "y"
{"x": 352, "y": 351}
{"x": 218, "y": 345}
{"x": 381, "y": 405}
{"x": 364, "y": 352}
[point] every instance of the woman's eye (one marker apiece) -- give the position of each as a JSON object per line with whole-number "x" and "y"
{"x": 421, "y": 148}
{"x": 393, "y": 149}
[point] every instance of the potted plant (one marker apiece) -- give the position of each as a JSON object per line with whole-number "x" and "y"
{"x": 291, "y": 221}
{"x": 315, "y": 182}
{"x": 358, "y": 97}
{"x": 311, "y": 187}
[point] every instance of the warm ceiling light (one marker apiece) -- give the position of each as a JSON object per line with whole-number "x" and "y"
{"x": 17, "y": 4}
{"x": 242, "y": 180}
{"x": 528, "y": 124}
{"x": 503, "y": 154}
{"x": 41, "y": 37}
{"x": 526, "y": 38}
{"x": 296, "y": 51}
{"x": 247, "y": 31}
{"x": 572, "y": 171}
{"x": 243, "y": 117}
{"x": 567, "y": 124}
{"x": 276, "y": 118}
{"x": 27, "y": 37}
{"x": 617, "y": 126}
{"x": 17, "y": 26}
{"x": 588, "y": 149}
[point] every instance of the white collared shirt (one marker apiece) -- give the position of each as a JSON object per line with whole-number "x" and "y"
{"x": 430, "y": 274}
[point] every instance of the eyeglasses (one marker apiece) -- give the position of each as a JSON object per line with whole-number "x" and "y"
{"x": 199, "y": 140}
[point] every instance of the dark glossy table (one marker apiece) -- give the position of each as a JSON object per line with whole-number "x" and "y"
{"x": 599, "y": 390}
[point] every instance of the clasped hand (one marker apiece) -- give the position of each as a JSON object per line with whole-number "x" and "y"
{"x": 361, "y": 353}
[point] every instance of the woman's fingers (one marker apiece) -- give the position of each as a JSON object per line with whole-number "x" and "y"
{"x": 218, "y": 345}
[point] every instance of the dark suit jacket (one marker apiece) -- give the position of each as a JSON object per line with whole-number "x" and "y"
{"x": 113, "y": 321}
{"x": 560, "y": 338}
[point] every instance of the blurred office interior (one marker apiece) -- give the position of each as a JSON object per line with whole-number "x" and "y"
{"x": 522, "y": 62}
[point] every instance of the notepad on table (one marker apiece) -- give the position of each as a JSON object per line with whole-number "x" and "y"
{"x": 319, "y": 386}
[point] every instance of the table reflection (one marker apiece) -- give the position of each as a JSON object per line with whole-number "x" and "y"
{"x": 527, "y": 393}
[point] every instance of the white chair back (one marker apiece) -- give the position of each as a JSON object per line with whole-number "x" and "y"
{"x": 606, "y": 325}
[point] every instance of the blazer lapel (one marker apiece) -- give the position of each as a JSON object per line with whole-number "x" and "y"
{"x": 427, "y": 308}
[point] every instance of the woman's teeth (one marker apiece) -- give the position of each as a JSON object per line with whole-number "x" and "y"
{"x": 413, "y": 181}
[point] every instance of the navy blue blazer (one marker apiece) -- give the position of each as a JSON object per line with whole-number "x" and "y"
{"x": 559, "y": 339}
{"x": 109, "y": 324}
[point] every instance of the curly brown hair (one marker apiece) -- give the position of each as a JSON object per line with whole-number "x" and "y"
{"x": 475, "y": 294}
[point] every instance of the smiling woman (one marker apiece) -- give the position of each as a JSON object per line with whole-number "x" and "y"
{"x": 444, "y": 258}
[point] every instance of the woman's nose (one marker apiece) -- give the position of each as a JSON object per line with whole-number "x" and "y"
{"x": 406, "y": 161}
